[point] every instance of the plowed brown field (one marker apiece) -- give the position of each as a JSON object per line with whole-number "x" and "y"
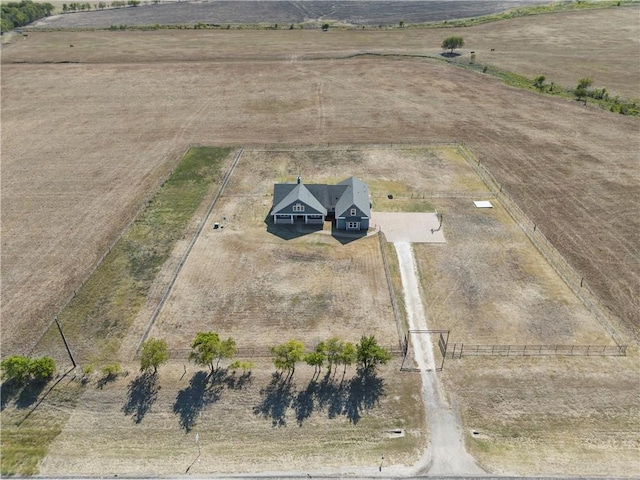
{"x": 83, "y": 144}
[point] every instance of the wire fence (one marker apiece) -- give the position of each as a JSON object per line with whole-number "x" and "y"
{"x": 263, "y": 352}
{"x": 576, "y": 282}
{"x": 104, "y": 251}
{"x": 458, "y": 350}
{"x": 288, "y": 147}
{"x": 402, "y": 334}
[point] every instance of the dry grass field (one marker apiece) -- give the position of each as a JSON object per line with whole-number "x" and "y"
{"x": 83, "y": 144}
{"x": 235, "y": 423}
{"x": 258, "y": 284}
{"x": 550, "y": 416}
{"x": 261, "y": 284}
{"x": 491, "y": 286}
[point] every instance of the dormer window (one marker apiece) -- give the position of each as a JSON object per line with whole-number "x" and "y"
{"x": 353, "y": 212}
{"x": 298, "y": 207}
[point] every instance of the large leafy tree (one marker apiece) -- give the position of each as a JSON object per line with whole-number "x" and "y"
{"x": 286, "y": 355}
{"x": 451, "y": 43}
{"x": 153, "y": 354}
{"x": 369, "y": 354}
{"x": 209, "y": 348}
{"x": 17, "y": 14}
{"x": 16, "y": 368}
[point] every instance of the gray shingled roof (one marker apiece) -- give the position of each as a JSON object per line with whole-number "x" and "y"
{"x": 285, "y": 194}
{"x": 356, "y": 193}
{"x": 322, "y": 198}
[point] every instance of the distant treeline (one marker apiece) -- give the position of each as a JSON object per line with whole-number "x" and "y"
{"x": 16, "y": 14}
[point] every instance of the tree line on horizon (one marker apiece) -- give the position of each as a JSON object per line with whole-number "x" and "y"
{"x": 18, "y": 14}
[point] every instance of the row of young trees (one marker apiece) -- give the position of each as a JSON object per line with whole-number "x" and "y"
{"x": 333, "y": 353}
{"x": 16, "y": 14}
{"x": 584, "y": 90}
{"x": 208, "y": 349}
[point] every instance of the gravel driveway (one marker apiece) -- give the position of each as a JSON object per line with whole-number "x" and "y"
{"x": 409, "y": 227}
{"x": 446, "y": 454}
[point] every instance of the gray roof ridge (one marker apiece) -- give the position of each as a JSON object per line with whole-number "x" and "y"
{"x": 300, "y": 192}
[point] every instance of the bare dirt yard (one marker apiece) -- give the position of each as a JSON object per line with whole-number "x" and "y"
{"x": 84, "y": 143}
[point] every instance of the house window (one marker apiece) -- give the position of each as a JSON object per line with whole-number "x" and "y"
{"x": 353, "y": 212}
{"x": 298, "y": 207}
{"x": 353, "y": 225}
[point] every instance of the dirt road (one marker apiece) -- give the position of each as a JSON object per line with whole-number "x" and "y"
{"x": 446, "y": 454}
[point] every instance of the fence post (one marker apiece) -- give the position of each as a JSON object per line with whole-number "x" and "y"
{"x": 66, "y": 345}
{"x": 461, "y": 348}
{"x": 524, "y": 351}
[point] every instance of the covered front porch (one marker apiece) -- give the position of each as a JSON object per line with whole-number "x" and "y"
{"x": 290, "y": 219}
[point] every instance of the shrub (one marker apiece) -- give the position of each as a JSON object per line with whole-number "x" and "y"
{"x": 16, "y": 369}
{"x": 111, "y": 370}
{"x": 42, "y": 369}
{"x": 21, "y": 369}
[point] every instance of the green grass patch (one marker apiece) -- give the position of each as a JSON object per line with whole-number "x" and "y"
{"x": 105, "y": 307}
{"x": 384, "y": 204}
{"x": 26, "y": 436}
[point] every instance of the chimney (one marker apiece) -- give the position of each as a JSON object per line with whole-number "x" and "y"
{"x": 299, "y": 179}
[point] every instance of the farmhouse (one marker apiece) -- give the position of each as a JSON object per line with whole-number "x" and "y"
{"x": 347, "y": 203}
